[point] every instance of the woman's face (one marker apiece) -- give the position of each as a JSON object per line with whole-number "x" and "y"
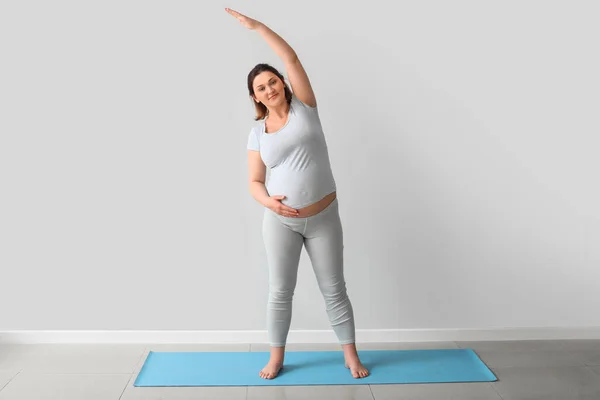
{"x": 268, "y": 89}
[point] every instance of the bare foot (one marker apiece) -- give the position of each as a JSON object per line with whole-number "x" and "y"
{"x": 353, "y": 361}
{"x": 271, "y": 370}
{"x": 357, "y": 369}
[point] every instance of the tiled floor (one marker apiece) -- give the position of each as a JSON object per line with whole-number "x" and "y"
{"x": 548, "y": 370}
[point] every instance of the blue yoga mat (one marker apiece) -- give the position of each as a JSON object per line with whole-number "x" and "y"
{"x": 312, "y": 368}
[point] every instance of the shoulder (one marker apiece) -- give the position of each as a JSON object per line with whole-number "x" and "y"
{"x": 254, "y": 133}
{"x": 254, "y": 138}
{"x": 257, "y": 127}
{"x": 298, "y": 103}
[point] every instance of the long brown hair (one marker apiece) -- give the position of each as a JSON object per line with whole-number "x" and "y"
{"x": 260, "y": 108}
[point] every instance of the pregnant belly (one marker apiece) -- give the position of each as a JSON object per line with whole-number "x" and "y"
{"x": 300, "y": 188}
{"x": 317, "y": 207}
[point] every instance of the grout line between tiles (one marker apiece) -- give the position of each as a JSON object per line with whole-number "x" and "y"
{"x": 589, "y": 367}
{"x": 491, "y": 384}
{"x": 127, "y": 385}
{"x": 11, "y": 379}
{"x": 371, "y": 391}
{"x": 133, "y": 373}
{"x": 139, "y": 360}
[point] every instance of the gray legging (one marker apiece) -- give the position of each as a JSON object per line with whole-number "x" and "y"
{"x": 322, "y": 235}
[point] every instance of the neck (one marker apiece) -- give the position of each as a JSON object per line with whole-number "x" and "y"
{"x": 279, "y": 112}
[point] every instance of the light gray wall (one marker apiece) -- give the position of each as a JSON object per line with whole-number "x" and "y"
{"x": 463, "y": 136}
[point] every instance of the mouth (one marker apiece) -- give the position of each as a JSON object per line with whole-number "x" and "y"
{"x": 272, "y": 97}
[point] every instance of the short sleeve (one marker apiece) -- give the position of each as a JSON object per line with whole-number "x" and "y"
{"x": 296, "y": 100}
{"x": 253, "y": 143}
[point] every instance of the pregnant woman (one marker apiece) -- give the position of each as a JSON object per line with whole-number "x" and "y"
{"x": 301, "y": 206}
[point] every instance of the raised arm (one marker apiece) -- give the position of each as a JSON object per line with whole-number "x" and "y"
{"x": 295, "y": 71}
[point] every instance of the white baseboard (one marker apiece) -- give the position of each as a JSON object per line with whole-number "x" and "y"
{"x": 298, "y": 336}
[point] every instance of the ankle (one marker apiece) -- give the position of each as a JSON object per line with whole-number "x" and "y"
{"x": 350, "y": 350}
{"x": 277, "y": 355}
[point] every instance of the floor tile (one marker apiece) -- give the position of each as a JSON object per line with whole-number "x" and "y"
{"x": 580, "y": 345}
{"x": 436, "y": 391}
{"x": 73, "y": 358}
{"x": 587, "y": 352}
{"x": 182, "y": 393}
{"x": 37, "y": 386}
{"x": 328, "y": 392}
{"x": 6, "y": 376}
{"x": 516, "y": 383}
{"x": 512, "y": 345}
{"x": 596, "y": 369}
{"x": 523, "y": 354}
{"x": 585, "y": 357}
{"x": 541, "y": 358}
{"x": 14, "y": 356}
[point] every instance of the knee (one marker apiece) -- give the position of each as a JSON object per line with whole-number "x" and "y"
{"x": 337, "y": 296}
{"x": 280, "y": 295}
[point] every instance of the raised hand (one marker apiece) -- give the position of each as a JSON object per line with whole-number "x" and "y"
{"x": 244, "y": 20}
